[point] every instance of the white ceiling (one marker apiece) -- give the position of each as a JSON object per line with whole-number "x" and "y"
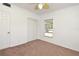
{"x": 52, "y": 7}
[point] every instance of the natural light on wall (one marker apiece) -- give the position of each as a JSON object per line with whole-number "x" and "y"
{"x": 49, "y": 34}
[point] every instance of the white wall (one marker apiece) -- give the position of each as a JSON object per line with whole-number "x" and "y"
{"x": 21, "y": 34}
{"x": 66, "y": 27}
{"x": 18, "y": 26}
{"x": 32, "y": 25}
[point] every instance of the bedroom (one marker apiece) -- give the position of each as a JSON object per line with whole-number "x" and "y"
{"x": 22, "y": 23}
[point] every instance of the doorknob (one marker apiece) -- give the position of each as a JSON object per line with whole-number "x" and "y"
{"x": 8, "y": 32}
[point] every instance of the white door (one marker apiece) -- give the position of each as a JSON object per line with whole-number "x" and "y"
{"x": 31, "y": 29}
{"x": 4, "y": 27}
{"x": 18, "y": 28}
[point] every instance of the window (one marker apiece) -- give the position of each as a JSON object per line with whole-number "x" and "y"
{"x": 49, "y": 28}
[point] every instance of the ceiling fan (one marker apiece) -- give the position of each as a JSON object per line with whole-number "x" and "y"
{"x": 41, "y": 6}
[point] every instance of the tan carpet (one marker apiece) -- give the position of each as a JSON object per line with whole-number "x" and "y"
{"x": 38, "y": 48}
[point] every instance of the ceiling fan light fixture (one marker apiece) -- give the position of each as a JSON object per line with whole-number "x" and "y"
{"x": 45, "y": 6}
{"x": 40, "y": 6}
